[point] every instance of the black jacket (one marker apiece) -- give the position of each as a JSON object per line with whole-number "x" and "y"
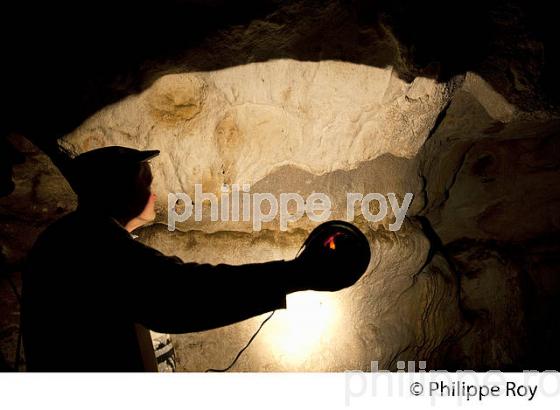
{"x": 88, "y": 282}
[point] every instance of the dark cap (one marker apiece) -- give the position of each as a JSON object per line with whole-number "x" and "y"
{"x": 113, "y": 155}
{"x": 106, "y": 162}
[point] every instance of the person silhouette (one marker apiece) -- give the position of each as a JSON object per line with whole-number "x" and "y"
{"x": 87, "y": 283}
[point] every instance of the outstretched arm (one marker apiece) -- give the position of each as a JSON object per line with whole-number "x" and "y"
{"x": 201, "y": 296}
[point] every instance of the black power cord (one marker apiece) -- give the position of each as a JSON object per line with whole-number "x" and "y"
{"x": 322, "y": 236}
{"x": 225, "y": 369}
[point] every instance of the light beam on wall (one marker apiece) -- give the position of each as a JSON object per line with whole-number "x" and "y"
{"x": 298, "y": 331}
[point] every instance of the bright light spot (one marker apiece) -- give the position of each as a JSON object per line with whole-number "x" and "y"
{"x": 299, "y": 330}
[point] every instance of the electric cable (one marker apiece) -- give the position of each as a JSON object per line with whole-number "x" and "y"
{"x": 225, "y": 369}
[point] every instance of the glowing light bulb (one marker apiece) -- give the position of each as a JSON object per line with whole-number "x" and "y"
{"x": 330, "y": 242}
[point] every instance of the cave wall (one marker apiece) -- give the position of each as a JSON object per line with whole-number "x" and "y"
{"x": 285, "y": 102}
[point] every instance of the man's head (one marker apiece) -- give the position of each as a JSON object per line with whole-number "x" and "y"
{"x": 115, "y": 181}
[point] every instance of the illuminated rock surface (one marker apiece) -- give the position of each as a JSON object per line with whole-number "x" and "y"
{"x": 238, "y": 125}
{"x": 288, "y": 105}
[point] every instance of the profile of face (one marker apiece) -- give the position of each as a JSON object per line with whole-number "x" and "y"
{"x": 148, "y": 214}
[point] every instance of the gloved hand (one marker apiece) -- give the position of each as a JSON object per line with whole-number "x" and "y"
{"x": 334, "y": 256}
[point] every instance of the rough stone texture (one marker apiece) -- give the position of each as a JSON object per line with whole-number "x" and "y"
{"x": 414, "y": 302}
{"x": 41, "y": 195}
{"x": 492, "y": 195}
{"x": 238, "y": 125}
{"x": 337, "y": 97}
{"x": 395, "y": 311}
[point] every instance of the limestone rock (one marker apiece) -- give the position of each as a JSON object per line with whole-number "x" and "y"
{"x": 240, "y": 124}
{"x": 393, "y": 307}
{"x": 335, "y": 97}
{"x": 41, "y": 196}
